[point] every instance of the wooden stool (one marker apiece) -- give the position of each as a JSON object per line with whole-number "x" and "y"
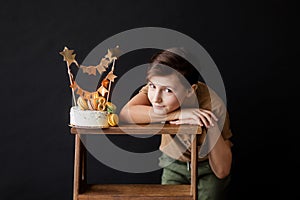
{"x": 82, "y": 190}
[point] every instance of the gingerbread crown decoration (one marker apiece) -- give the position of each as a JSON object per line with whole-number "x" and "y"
{"x": 93, "y": 100}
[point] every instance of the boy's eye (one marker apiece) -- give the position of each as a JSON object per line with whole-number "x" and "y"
{"x": 151, "y": 85}
{"x": 168, "y": 90}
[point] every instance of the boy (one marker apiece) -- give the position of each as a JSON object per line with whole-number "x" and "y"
{"x": 175, "y": 94}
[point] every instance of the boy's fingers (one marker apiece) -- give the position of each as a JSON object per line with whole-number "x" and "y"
{"x": 187, "y": 121}
{"x": 211, "y": 114}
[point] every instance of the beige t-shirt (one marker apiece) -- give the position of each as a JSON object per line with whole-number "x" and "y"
{"x": 178, "y": 146}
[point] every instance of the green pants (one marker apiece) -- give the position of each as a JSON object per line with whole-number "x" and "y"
{"x": 210, "y": 187}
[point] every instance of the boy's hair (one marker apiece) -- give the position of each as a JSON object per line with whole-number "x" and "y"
{"x": 166, "y": 61}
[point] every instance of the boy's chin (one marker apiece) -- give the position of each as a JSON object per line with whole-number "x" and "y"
{"x": 159, "y": 112}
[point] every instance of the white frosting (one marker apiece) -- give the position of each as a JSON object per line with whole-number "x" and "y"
{"x": 88, "y": 118}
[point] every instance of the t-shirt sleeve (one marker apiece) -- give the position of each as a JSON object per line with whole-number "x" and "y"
{"x": 219, "y": 109}
{"x": 226, "y": 131}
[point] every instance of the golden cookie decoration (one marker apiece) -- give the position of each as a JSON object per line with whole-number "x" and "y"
{"x": 89, "y": 105}
{"x": 113, "y": 119}
{"x": 96, "y": 95}
{"x": 101, "y": 107}
{"x": 94, "y": 104}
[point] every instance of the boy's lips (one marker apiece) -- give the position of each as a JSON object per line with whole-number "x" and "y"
{"x": 159, "y": 107}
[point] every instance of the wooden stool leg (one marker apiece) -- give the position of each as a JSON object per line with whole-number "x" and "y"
{"x": 76, "y": 167}
{"x": 80, "y": 180}
{"x": 83, "y": 163}
{"x": 194, "y": 167}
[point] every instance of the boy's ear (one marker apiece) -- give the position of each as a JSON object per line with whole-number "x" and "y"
{"x": 192, "y": 90}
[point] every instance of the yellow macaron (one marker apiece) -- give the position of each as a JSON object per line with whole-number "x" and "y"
{"x": 111, "y": 108}
{"x": 82, "y": 103}
{"x": 113, "y": 119}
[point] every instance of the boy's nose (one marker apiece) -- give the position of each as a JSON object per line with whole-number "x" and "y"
{"x": 157, "y": 97}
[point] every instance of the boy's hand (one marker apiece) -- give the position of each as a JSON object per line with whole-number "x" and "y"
{"x": 196, "y": 116}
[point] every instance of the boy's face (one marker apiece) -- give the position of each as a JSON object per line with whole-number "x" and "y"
{"x": 166, "y": 93}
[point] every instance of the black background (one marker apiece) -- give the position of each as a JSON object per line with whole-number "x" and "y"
{"x": 246, "y": 39}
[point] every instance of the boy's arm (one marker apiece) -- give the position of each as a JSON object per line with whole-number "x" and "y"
{"x": 220, "y": 156}
{"x": 139, "y": 110}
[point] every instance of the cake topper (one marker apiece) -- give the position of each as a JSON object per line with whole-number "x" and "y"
{"x": 69, "y": 57}
{"x": 104, "y": 90}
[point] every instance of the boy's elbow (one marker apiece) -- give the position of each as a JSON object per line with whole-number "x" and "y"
{"x": 222, "y": 173}
{"x": 123, "y": 116}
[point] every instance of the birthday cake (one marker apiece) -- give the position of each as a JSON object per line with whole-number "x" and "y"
{"x": 92, "y": 109}
{"x": 88, "y": 118}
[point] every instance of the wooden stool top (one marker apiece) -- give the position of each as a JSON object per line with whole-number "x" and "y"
{"x": 141, "y": 129}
